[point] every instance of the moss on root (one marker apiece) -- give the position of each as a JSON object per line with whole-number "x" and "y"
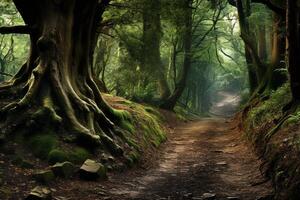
{"x": 42, "y": 145}
{"x": 143, "y": 125}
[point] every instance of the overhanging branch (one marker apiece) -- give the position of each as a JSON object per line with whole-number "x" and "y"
{"x": 271, "y": 6}
{"x": 15, "y": 29}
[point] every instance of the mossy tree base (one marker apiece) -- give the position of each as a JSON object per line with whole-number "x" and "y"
{"x": 56, "y": 85}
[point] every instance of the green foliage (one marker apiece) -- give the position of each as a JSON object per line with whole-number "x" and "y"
{"x": 270, "y": 109}
{"x": 41, "y": 145}
{"x": 14, "y": 47}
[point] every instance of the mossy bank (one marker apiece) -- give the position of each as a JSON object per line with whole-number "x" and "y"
{"x": 275, "y": 134}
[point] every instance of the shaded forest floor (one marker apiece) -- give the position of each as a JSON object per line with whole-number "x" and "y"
{"x": 202, "y": 156}
{"x": 203, "y": 159}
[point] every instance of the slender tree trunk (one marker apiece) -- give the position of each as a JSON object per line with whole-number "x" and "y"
{"x": 250, "y": 59}
{"x": 170, "y": 103}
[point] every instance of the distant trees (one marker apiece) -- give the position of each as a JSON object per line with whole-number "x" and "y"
{"x": 157, "y": 43}
{"x": 284, "y": 37}
{"x": 12, "y": 47}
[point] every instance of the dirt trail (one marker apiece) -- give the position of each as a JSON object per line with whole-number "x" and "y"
{"x": 205, "y": 156}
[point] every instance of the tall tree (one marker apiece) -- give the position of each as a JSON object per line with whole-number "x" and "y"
{"x": 151, "y": 41}
{"x": 293, "y": 46}
{"x": 57, "y": 81}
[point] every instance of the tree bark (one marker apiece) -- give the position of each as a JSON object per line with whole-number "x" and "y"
{"x": 152, "y": 33}
{"x": 256, "y": 68}
{"x": 293, "y": 47}
{"x": 262, "y": 43}
{"x": 57, "y": 76}
{"x": 171, "y": 101}
{"x": 277, "y": 78}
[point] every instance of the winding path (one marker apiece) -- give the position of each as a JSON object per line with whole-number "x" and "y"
{"x": 203, "y": 158}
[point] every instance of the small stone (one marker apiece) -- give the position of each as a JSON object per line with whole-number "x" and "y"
{"x": 233, "y": 198}
{"x": 188, "y": 195}
{"x": 60, "y": 198}
{"x": 107, "y": 158}
{"x": 223, "y": 163}
{"x": 109, "y": 168}
{"x": 92, "y": 170}
{"x": 65, "y": 169}
{"x": 111, "y": 159}
{"x": 44, "y": 176}
{"x": 39, "y": 193}
{"x": 209, "y": 196}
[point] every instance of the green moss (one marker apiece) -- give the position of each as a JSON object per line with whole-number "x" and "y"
{"x": 78, "y": 155}
{"x": 134, "y": 155}
{"x": 132, "y": 158}
{"x": 126, "y": 125}
{"x": 44, "y": 176}
{"x": 268, "y": 110}
{"x": 41, "y": 145}
{"x": 131, "y": 142}
{"x": 122, "y": 115}
{"x": 57, "y": 156}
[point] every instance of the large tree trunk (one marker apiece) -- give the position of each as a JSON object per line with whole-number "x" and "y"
{"x": 57, "y": 78}
{"x": 152, "y": 33}
{"x": 262, "y": 43}
{"x": 293, "y": 47}
{"x": 255, "y": 63}
{"x": 276, "y": 77}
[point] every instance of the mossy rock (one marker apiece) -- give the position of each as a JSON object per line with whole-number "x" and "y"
{"x": 44, "y": 176}
{"x": 20, "y": 162}
{"x": 41, "y": 145}
{"x": 57, "y": 156}
{"x": 92, "y": 170}
{"x": 65, "y": 169}
{"x": 78, "y": 155}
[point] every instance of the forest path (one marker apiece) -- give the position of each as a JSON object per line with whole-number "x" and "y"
{"x": 204, "y": 156}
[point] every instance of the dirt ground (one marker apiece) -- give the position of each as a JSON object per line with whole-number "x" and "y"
{"x": 202, "y": 159}
{"x": 203, "y": 156}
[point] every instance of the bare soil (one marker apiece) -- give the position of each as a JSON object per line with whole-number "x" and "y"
{"x": 203, "y": 156}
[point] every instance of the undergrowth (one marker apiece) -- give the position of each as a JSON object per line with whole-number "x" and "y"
{"x": 276, "y": 137}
